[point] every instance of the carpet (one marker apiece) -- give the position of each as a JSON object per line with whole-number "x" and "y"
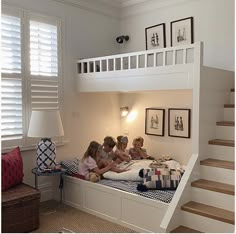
{"x": 59, "y": 218}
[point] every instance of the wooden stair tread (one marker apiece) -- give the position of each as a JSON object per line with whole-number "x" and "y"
{"x": 225, "y": 123}
{"x": 221, "y": 142}
{"x": 214, "y": 186}
{"x": 218, "y": 163}
{"x": 209, "y": 211}
{"x": 228, "y": 105}
{"x": 183, "y": 229}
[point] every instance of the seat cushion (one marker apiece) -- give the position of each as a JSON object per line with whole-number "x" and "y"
{"x": 12, "y": 169}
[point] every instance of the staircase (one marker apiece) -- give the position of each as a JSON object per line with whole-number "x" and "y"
{"x": 212, "y": 205}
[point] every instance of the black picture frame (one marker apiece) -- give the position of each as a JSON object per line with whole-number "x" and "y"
{"x": 181, "y": 31}
{"x": 154, "y": 121}
{"x": 179, "y": 123}
{"x": 155, "y": 36}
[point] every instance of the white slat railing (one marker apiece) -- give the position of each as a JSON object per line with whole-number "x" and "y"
{"x": 136, "y": 60}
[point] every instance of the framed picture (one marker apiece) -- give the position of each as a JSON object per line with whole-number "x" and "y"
{"x": 179, "y": 122}
{"x": 155, "y": 36}
{"x": 181, "y": 31}
{"x": 154, "y": 121}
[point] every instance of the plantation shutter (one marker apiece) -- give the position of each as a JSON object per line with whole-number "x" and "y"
{"x": 11, "y": 81}
{"x": 44, "y": 65}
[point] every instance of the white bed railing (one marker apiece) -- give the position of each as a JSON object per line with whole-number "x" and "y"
{"x": 136, "y": 60}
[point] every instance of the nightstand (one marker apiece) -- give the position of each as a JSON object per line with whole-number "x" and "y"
{"x": 60, "y": 173}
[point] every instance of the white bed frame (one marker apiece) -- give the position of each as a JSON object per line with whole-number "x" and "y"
{"x": 133, "y": 211}
{"x": 164, "y": 69}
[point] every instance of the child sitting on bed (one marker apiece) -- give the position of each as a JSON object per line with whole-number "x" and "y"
{"x": 137, "y": 152}
{"x": 88, "y": 168}
{"x": 121, "y": 154}
{"x": 107, "y": 148}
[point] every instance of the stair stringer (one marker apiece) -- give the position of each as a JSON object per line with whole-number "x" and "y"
{"x": 172, "y": 218}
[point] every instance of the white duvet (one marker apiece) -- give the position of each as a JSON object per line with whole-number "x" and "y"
{"x": 134, "y": 167}
{"x": 132, "y": 174}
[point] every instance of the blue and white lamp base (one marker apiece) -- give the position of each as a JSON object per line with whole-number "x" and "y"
{"x": 46, "y": 154}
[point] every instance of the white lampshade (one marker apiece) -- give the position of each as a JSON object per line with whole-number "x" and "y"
{"x": 45, "y": 124}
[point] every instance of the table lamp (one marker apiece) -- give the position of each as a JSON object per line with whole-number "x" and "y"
{"x": 45, "y": 124}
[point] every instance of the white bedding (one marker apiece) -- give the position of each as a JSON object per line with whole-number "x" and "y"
{"x": 134, "y": 167}
{"x": 132, "y": 174}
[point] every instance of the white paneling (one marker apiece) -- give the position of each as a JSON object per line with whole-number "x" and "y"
{"x": 141, "y": 215}
{"x": 102, "y": 202}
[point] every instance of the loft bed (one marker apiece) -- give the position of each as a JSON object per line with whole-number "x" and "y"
{"x": 163, "y": 69}
{"x": 174, "y": 68}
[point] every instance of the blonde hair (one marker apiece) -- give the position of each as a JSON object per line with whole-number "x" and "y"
{"x": 138, "y": 139}
{"x": 92, "y": 150}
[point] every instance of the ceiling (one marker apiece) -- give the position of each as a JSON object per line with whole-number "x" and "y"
{"x": 122, "y": 3}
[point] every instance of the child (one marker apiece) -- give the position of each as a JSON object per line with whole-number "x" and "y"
{"x": 107, "y": 148}
{"x": 121, "y": 153}
{"x": 88, "y": 168}
{"x": 107, "y": 154}
{"x": 137, "y": 152}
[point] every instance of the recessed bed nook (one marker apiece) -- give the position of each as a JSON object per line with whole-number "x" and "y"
{"x": 161, "y": 79}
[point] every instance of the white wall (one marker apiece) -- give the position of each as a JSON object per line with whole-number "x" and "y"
{"x": 213, "y": 24}
{"x": 178, "y": 148}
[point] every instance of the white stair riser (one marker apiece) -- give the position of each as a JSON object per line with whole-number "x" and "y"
{"x": 232, "y": 98}
{"x": 229, "y": 114}
{"x": 225, "y": 132}
{"x": 205, "y": 224}
{"x": 211, "y": 198}
{"x": 221, "y": 152}
{"x": 217, "y": 174}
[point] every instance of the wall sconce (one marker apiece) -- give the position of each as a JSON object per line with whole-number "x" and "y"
{"x": 124, "y": 111}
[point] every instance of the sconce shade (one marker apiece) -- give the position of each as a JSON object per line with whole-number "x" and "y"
{"x": 45, "y": 124}
{"x": 124, "y": 111}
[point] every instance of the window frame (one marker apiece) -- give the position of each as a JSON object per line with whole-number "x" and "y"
{"x": 25, "y": 16}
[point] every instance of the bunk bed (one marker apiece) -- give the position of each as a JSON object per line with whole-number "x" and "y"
{"x": 173, "y": 68}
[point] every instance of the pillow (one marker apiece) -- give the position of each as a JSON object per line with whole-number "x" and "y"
{"x": 71, "y": 166}
{"x": 162, "y": 179}
{"x": 12, "y": 169}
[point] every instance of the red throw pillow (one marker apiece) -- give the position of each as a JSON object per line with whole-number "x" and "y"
{"x": 12, "y": 169}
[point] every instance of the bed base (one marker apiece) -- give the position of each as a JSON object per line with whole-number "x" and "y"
{"x": 130, "y": 210}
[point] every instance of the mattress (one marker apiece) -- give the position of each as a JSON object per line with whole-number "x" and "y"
{"x": 131, "y": 187}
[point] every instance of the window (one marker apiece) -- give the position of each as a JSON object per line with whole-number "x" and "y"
{"x": 30, "y": 71}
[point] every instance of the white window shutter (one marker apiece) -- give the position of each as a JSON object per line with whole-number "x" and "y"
{"x": 43, "y": 54}
{"x": 43, "y": 49}
{"x": 11, "y": 81}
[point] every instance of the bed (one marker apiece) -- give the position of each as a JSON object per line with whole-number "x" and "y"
{"x": 172, "y": 68}
{"x": 118, "y": 199}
